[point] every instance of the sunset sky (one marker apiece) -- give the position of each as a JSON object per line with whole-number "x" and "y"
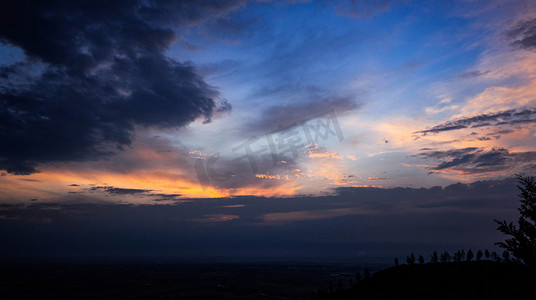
{"x": 128, "y": 118}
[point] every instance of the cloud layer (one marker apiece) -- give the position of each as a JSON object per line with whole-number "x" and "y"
{"x": 356, "y": 222}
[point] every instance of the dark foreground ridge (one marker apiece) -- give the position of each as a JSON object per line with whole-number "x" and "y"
{"x": 455, "y": 280}
{"x": 170, "y": 281}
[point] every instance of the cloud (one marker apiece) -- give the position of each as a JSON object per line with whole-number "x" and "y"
{"x": 474, "y": 160}
{"x": 378, "y": 178}
{"x": 472, "y": 74}
{"x": 119, "y": 191}
{"x": 283, "y": 115}
{"x": 524, "y": 33}
{"x": 508, "y": 117}
{"x": 95, "y": 72}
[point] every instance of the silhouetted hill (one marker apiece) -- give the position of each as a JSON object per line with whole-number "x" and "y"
{"x": 463, "y": 280}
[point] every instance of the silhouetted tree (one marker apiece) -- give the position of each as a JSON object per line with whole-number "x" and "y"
{"x": 330, "y": 288}
{"x": 495, "y": 256}
{"x": 396, "y": 261}
{"x": 479, "y": 255}
{"x": 445, "y": 257}
{"x": 463, "y": 254}
{"x": 522, "y": 243}
{"x": 410, "y": 259}
{"x": 506, "y": 256}
{"x": 487, "y": 254}
{"x": 339, "y": 285}
{"x": 457, "y": 257}
{"x": 357, "y": 277}
{"x": 421, "y": 259}
{"x": 367, "y": 273}
{"x": 434, "y": 258}
{"x": 470, "y": 255}
{"x": 351, "y": 282}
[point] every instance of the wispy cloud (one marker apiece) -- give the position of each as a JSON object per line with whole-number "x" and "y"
{"x": 509, "y": 117}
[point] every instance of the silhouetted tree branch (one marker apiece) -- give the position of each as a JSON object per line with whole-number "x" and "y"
{"x": 522, "y": 243}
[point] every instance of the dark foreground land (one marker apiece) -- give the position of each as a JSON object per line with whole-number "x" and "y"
{"x": 463, "y": 280}
{"x": 170, "y": 281}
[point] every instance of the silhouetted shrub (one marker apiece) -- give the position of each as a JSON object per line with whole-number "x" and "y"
{"x": 410, "y": 259}
{"x": 434, "y": 258}
{"x": 470, "y": 255}
{"x": 445, "y": 257}
{"x": 479, "y": 255}
{"x": 457, "y": 257}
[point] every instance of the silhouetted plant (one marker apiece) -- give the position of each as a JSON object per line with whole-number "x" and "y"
{"x": 495, "y": 256}
{"x": 421, "y": 259}
{"x": 487, "y": 254}
{"x": 457, "y": 257}
{"x": 470, "y": 255}
{"x": 522, "y": 244}
{"x": 410, "y": 259}
{"x": 479, "y": 255}
{"x": 434, "y": 258}
{"x": 445, "y": 257}
{"x": 396, "y": 261}
{"x": 367, "y": 273}
{"x": 506, "y": 256}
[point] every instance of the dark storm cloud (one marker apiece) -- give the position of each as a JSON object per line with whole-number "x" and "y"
{"x": 459, "y": 215}
{"x": 95, "y": 71}
{"x": 508, "y": 117}
{"x": 476, "y": 160}
{"x": 524, "y": 34}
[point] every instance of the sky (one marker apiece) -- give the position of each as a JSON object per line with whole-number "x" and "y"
{"x": 304, "y": 129}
